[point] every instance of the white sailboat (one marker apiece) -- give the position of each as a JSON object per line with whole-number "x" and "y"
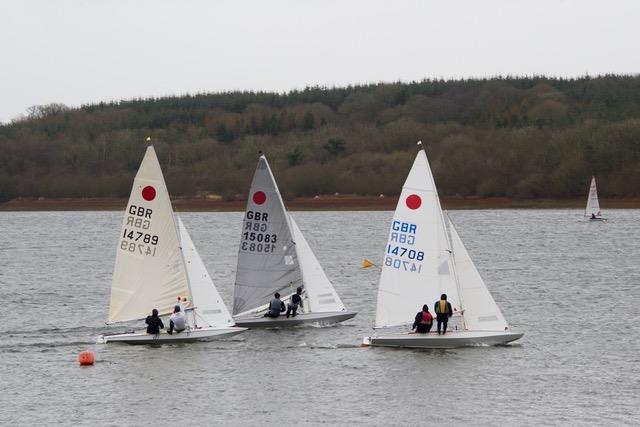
{"x": 275, "y": 257}
{"x": 156, "y": 262}
{"x": 592, "y": 211}
{"x": 425, "y": 258}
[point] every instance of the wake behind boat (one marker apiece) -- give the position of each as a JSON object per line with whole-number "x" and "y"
{"x": 275, "y": 257}
{"x": 157, "y": 261}
{"x": 425, "y": 258}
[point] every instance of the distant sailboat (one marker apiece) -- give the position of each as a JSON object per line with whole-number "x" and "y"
{"x": 425, "y": 258}
{"x": 156, "y": 262}
{"x": 275, "y": 257}
{"x": 592, "y": 211}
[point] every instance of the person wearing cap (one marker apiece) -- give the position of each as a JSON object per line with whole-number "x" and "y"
{"x": 154, "y": 323}
{"x": 177, "y": 321}
{"x": 296, "y": 301}
{"x": 276, "y": 306}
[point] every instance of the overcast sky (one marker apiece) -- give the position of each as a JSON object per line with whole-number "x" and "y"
{"x": 86, "y": 51}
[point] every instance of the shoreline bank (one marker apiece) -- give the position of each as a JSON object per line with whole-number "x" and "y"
{"x": 321, "y": 203}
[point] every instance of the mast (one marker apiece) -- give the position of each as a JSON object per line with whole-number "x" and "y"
{"x": 184, "y": 263}
{"x": 449, "y": 248}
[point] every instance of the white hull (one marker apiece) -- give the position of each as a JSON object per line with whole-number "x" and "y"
{"x": 323, "y": 318}
{"x": 453, "y": 339}
{"x": 202, "y": 334}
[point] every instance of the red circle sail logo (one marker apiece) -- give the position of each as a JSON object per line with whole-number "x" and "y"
{"x": 259, "y": 197}
{"x": 413, "y": 201}
{"x": 148, "y": 193}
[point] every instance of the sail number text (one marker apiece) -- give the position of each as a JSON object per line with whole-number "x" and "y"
{"x": 401, "y": 257}
{"x": 255, "y": 238}
{"x": 137, "y": 241}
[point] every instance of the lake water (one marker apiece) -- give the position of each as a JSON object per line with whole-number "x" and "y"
{"x": 572, "y": 287}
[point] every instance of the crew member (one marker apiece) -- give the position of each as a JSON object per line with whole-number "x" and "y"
{"x": 296, "y": 301}
{"x": 154, "y": 323}
{"x": 423, "y": 321}
{"x": 443, "y": 313}
{"x": 276, "y": 306}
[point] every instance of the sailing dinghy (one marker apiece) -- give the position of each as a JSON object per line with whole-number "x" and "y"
{"x": 157, "y": 261}
{"x": 275, "y": 257}
{"x": 592, "y": 211}
{"x": 425, "y": 258}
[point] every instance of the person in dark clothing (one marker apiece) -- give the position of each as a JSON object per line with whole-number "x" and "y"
{"x": 443, "y": 313}
{"x": 276, "y": 306}
{"x": 423, "y": 321}
{"x": 296, "y": 301}
{"x": 593, "y": 216}
{"x": 154, "y": 323}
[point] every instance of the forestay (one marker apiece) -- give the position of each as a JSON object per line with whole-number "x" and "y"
{"x": 593, "y": 205}
{"x": 209, "y": 306}
{"x": 481, "y": 313}
{"x": 267, "y": 260}
{"x": 149, "y": 270}
{"x": 417, "y": 266}
{"x": 321, "y": 295}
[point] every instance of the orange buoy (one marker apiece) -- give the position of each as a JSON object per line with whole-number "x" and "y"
{"x": 86, "y": 358}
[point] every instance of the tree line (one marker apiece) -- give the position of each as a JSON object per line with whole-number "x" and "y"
{"x": 526, "y": 137}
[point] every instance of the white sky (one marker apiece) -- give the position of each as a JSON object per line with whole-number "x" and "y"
{"x": 86, "y": 51}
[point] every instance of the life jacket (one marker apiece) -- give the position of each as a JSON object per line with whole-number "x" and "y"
{"x": 441, "y": 307}
{"x": 275, "y": 307}
{"x": 295, "y": 300}
{"x": 426, "y": 318}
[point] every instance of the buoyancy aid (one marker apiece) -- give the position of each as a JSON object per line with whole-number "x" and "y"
{"x": 426, "y": 318}
{"x": 442, "y": 306}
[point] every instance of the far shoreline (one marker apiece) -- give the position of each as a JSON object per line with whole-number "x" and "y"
{"x": 318, "y": 203}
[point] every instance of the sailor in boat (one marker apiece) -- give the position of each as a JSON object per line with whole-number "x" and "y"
{"x": 177, "y": 321}
{"x": 296, "y": 301}
{"x": 276, "y": 306}
{"x": 423, "y": 321}
{"x": 443, "y": 313}
{"x": 593, "y": 216}
{"x": 154, "y": 323}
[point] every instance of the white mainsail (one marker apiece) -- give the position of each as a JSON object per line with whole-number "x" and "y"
{"x": 209, "y": 306}
{"x": 418, "y": 264}
{"x": 320, "y": 293}
{"x": 267, "y": 259}
{"x": 593, "y": 205}
{"x": 481, "y": 313}
{"x": 149, "y": 270}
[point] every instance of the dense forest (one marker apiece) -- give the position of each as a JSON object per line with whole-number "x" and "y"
{"x": 523, "y": 137}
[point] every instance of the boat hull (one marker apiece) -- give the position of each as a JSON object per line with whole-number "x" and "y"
{"x": 453, "y": 339}
{"x": 325, "y": 318}
{"x": 202, "y": 334}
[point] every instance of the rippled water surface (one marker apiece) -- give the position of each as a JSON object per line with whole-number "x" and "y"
{"x": 572, "y": 287}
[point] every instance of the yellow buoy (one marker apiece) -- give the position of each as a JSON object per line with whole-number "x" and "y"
{"x": 86, "y": 358}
